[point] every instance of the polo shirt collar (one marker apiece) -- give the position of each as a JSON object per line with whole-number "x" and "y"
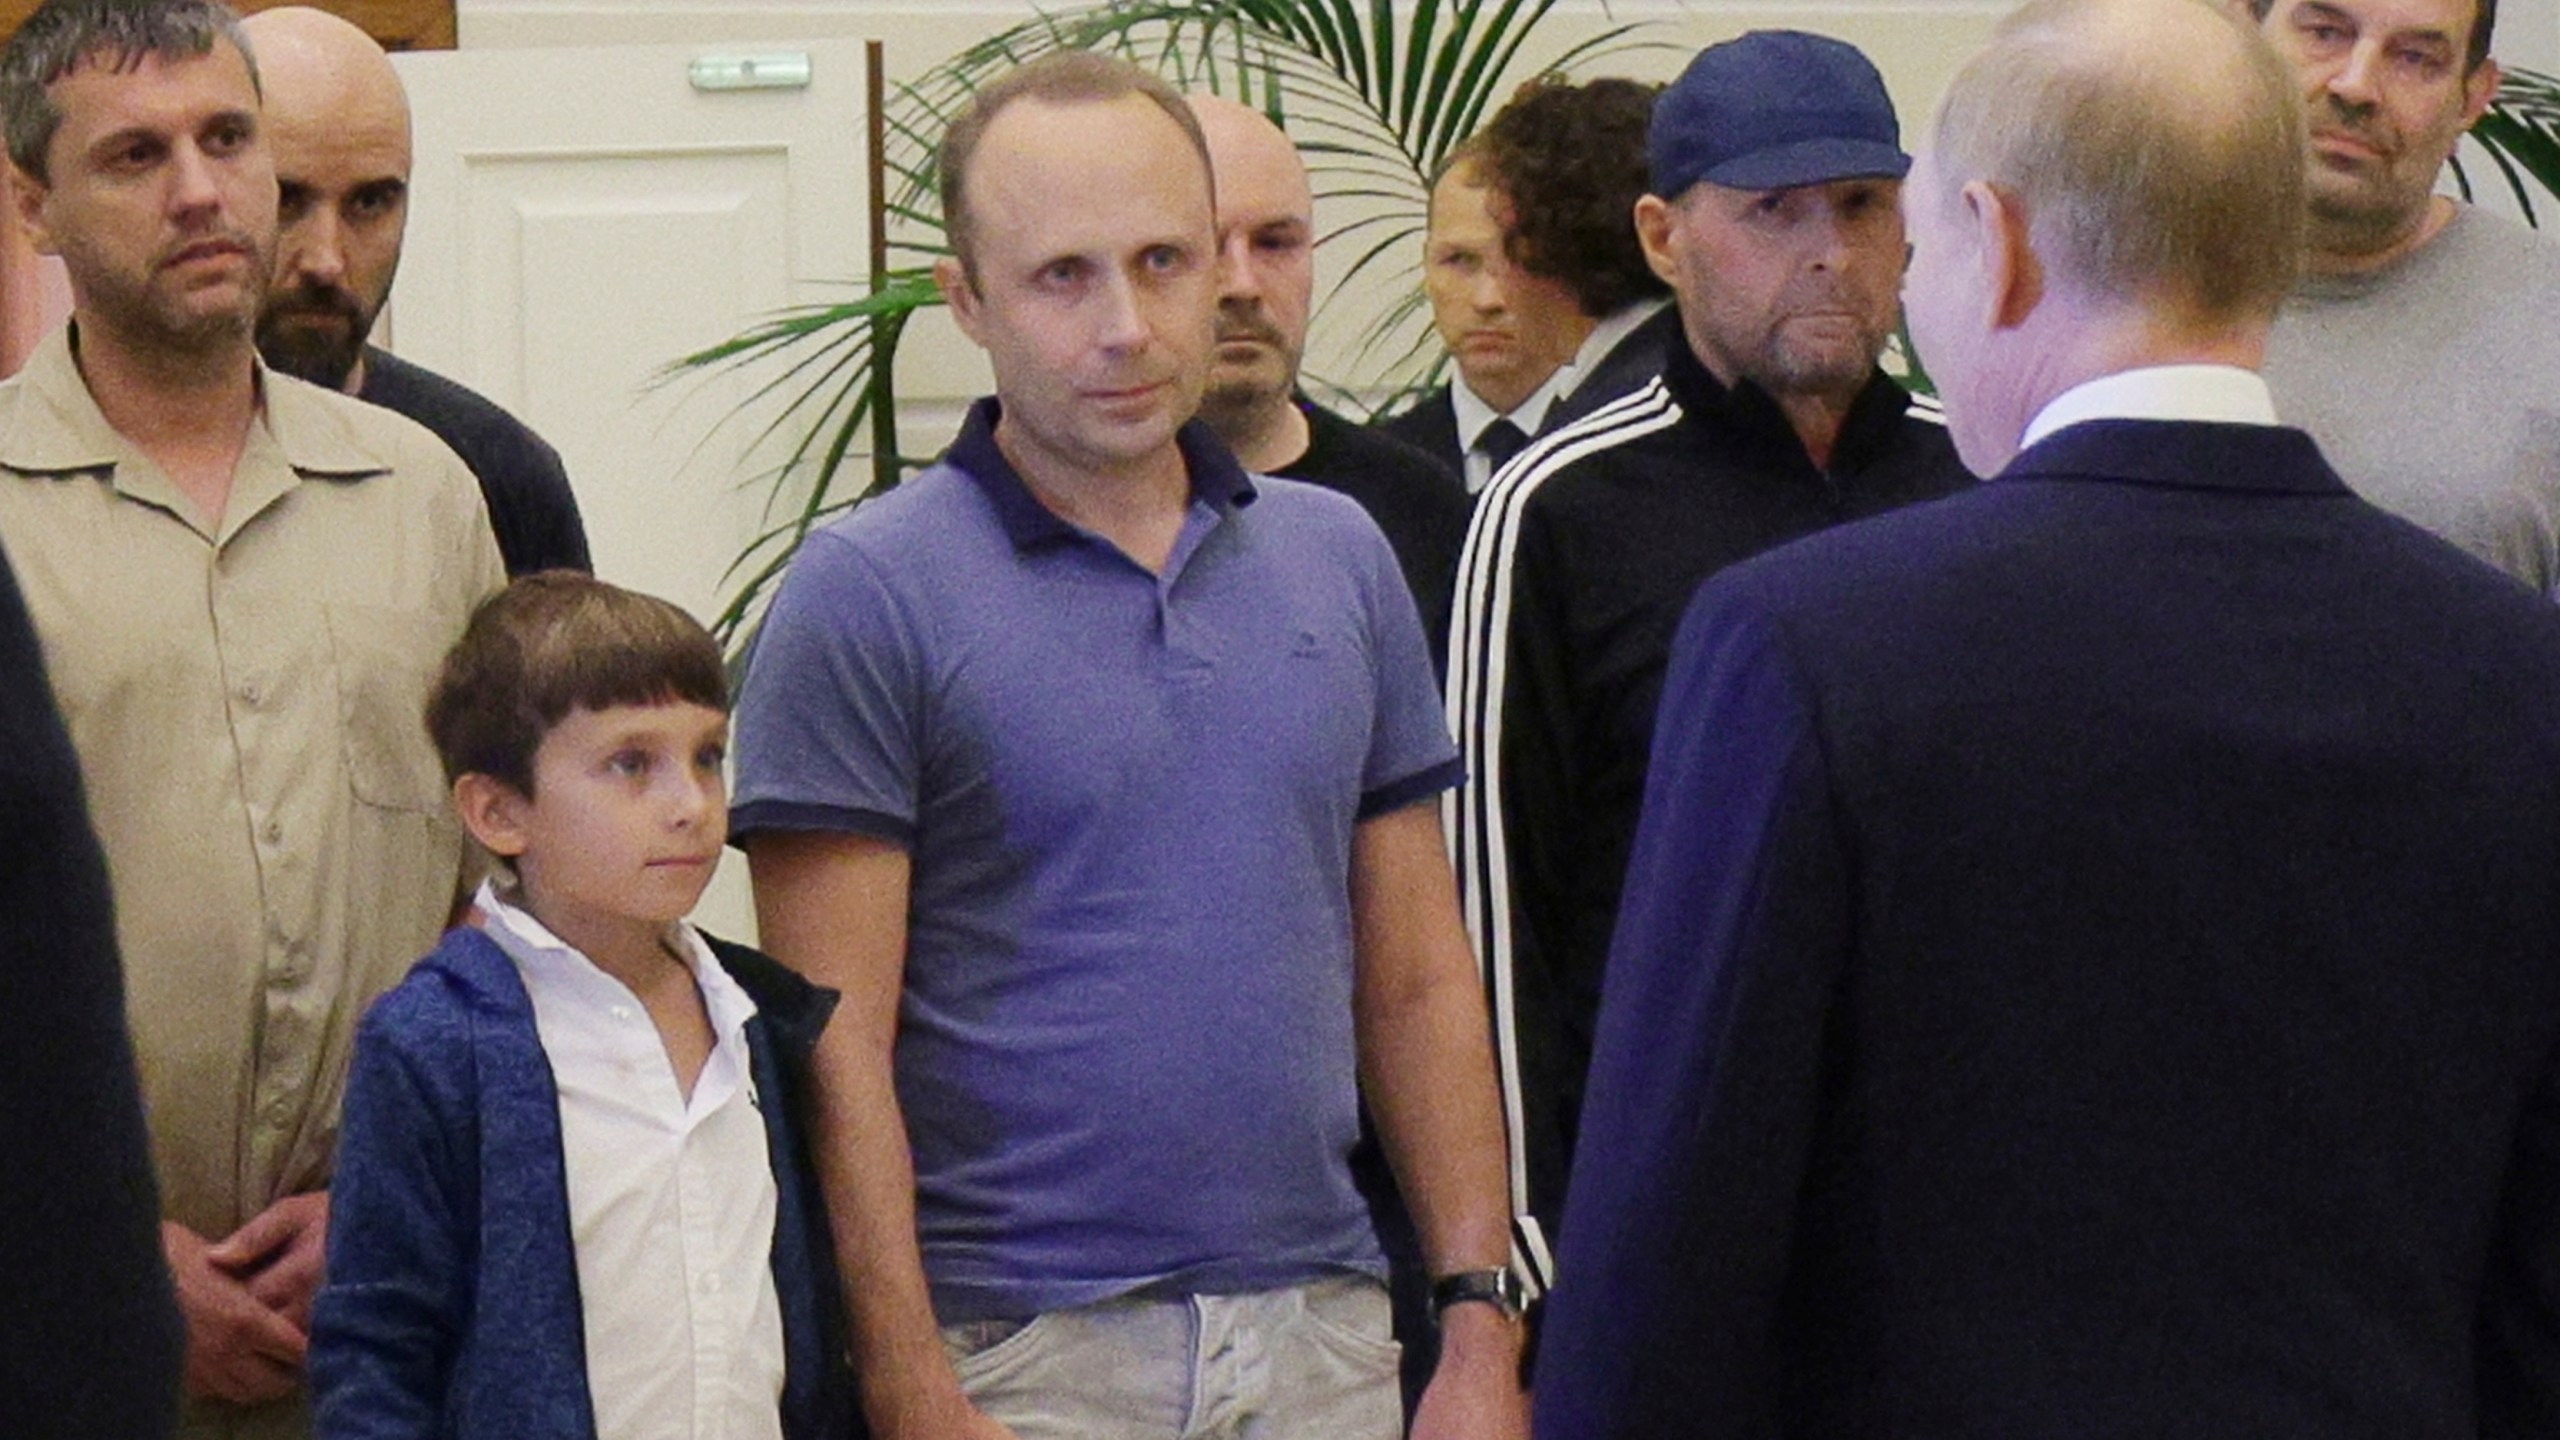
{"x": 67, "y": 432}
{"x": 1216, "y": 478}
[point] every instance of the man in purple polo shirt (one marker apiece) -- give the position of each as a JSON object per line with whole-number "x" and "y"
{"x": 1098, "y": 777}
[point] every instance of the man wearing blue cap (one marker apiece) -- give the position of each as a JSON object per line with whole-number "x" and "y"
{"x": 1774, "y": 215}
{"x": 2087, "y": 962}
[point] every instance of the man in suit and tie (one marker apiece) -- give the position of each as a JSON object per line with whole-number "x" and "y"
{"x": 1535, "y": 214}
{"x": 1510, "y": 332}
{"x": 2088, "y": 961}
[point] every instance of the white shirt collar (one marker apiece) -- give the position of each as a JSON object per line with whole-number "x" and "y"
{"x": 1604, "y": 337}
{"x": 534, "y": 944}
{"x": 2222, "y": 393}
{"x": 1474, "y": 414}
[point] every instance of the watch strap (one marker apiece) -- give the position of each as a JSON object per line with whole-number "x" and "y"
{"x": 1499, "y": 1287}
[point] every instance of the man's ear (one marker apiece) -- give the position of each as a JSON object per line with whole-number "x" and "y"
{"x": 493, "y": 812}
{"x": 1653, "y": 219}
{"x": 29, "y": 194}
{"x": 952, "y": 278}
{"x": 2480, "y": 90}
{"x": 2012, "y": 275}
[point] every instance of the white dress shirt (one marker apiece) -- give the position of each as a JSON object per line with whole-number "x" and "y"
{"x": 1473, "y": 415}
{"x": 1617, "y": 325}
{"x": 671, "y": 1202}
{"x": 2224, "y": 393}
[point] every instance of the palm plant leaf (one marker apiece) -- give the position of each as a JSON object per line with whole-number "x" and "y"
{"x": 2521, "y": 136}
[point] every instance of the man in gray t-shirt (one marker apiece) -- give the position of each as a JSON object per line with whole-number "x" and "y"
{"x": 2415, "y": 350}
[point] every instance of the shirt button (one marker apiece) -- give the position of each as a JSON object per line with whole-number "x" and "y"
{"x": 279, "y": 1114}
{"x": 711, "y": 1283}
{"x": 621, "y": 1012}
{"x": 250, "y": 694}
{"x": 272, "y": 832}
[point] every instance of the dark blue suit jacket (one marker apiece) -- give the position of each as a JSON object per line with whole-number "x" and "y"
{"x": 1430, "y": 426}
{"x": 2091, "y": 968}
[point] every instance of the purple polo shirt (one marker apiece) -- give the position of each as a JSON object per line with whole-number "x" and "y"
{"x": 1125, "y": 1043}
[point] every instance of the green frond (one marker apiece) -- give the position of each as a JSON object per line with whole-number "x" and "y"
{"x": 2521, "y": 137}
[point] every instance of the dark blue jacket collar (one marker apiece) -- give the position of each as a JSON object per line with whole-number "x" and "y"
{"x": 2182, "y": 454}
{"x": 1216, "y": 477}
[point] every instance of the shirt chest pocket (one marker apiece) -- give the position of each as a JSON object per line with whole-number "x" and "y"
{"x": 382, "y": 662}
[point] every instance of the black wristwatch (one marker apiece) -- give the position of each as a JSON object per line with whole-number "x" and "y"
{"x": 1500, "y": 1288}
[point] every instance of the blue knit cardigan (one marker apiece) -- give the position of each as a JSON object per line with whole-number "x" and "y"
{"x": 451, "y": 1308}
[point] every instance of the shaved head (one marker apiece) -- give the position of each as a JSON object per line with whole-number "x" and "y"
{"x": 1266, "y": 285}
{"x": 337, "y": 119}
{"x": 1244, "y": 142}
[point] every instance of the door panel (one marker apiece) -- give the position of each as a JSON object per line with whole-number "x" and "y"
{"x": 579, "y": 218}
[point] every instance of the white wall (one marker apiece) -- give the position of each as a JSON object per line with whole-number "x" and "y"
{"x": 1916, "y": 43}
{"x": 2529, "y": 29}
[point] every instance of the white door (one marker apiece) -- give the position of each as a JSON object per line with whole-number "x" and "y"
{"x": 580, "y": 217}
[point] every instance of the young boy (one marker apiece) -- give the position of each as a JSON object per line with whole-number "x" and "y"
{"x": 570, "y": 1202}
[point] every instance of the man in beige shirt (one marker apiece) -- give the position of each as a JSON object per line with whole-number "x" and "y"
{"x": 243, "y": 585}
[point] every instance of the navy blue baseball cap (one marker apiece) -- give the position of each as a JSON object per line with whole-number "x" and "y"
{"x": 1772, "y": 110}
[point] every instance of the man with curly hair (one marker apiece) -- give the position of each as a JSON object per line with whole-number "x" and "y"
{"x": 1569, "y": 161}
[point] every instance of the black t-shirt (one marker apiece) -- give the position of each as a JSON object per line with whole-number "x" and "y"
{"x": 1421, "y": 506}
{"x": 530, "y": 505}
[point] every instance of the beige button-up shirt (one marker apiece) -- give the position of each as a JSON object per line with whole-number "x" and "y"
{"x": 246, "y": 704}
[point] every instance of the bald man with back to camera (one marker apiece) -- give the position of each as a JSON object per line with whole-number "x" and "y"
{"x": 2087, "y": 967}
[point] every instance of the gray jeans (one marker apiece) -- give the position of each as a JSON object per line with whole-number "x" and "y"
{"x": 1313, "y": 1362}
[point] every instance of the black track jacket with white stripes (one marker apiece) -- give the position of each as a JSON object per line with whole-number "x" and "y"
{"x": 1579, "y": 563}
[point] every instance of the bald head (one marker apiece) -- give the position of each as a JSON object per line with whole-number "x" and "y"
{"x": 1267, "y": 278}
{"x": 337, "y": 120}
{"x": 2112, "y": 184}
{"x": 1243, "y": 143}
{"x": 2154, "y": 145}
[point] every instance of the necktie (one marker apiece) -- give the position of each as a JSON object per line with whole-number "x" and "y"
{"x": 1500, "y": 441}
